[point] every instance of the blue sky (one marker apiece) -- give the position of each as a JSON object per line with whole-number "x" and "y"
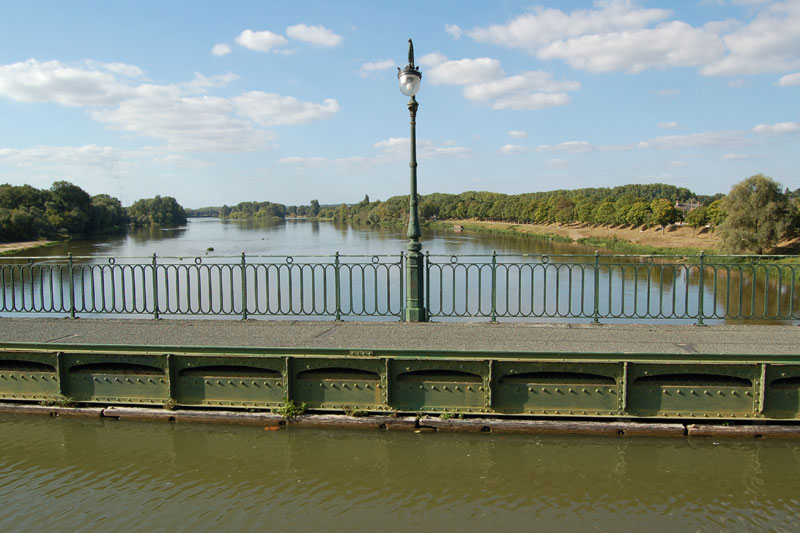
{"x": 216, "y": 103}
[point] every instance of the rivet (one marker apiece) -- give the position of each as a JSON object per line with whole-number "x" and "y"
{"x": 558, "y": 390}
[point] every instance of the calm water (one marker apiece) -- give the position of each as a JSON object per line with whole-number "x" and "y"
{"x": 297, "y": 237}
{"x": 628, "y": 290}
{"x": 92, "y": 475}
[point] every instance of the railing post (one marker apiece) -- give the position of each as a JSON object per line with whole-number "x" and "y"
{"x": 71, "y": 289}
{"x": 494, "y": 286}
{"x": 155, "y": 287}
{"x": 338, "y": 287}
{"x": 428, "y": 284}
{"x": 244, "y": 287}
{"x": 700, "y": 291}
{"x": 596, "y": 287}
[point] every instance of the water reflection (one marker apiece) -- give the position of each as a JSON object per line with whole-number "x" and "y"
{"x": 550, "y": 283}
{"x": 125, "y": 475}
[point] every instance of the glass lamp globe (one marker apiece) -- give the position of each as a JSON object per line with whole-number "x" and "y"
{"x": 409, "y": 82}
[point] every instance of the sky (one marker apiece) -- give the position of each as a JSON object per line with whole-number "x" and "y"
{"x": 222, "y": 102}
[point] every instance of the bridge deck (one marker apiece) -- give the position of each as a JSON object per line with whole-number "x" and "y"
{"x": 473, "y": 337}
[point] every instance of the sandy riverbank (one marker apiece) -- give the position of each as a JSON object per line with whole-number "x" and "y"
{"x": 674, "y": 237}
{"x": 8, "y": 247}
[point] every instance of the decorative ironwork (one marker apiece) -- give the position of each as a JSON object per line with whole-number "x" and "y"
{"x": 495, "y": 287}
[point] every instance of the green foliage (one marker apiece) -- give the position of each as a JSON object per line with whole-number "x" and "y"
{"x": 664, "y": 212}
{"x": 160, "y": 211}
{"x": 697, "y": 218}
{"x": 289, "y": 409}
{"x": 759, "y": 215}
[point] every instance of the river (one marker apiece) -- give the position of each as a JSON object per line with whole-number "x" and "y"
{"x": 90, "y": 475}
{"x": 556, "y": 281}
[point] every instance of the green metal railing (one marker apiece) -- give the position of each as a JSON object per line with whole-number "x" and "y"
{"x": 599, "y": 287}
{"x": 511, "y": 287}
{"x": 324, "y": 286}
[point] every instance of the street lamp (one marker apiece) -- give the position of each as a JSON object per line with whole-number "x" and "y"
{"x": 409, "y": 79}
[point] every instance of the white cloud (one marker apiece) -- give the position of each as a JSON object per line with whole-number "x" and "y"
{"x": 789, "y": 80}
{"x": 616, "y": 35}
{"x": 465, "y": 71}
{"x": 261, "y": 41}
{"x": 316, "y": 35}
{"x": 668, "y": 93}
{"x": 221, "y": 49}
{"x": 546, "y": 25}
{"x": 454, "y": 31}
{"x": 734, "y": 157}
{"x": 179, "y": 114}
{"x": 671, "y": 44}
{"x": 511, "y": 149}
{"x": 530, "y": 90}
{"x": 432, "y": 59}
{"x": 517, "y": 134}
{"x": 737, "y": 83}
{"x": 769, "y": 43}
{"x": 668, "y": 125}
{"x": 368, "y": 68}
{"x": 574, "y": 147}
{"x": 391, "y": 150}
{"x": 677, "y": 164}
{"x": 53, "y": 81}
{"x": 717, "y": 139}
{"x": 269, "y": 109}
{"x": 779, "y": 128}
{"x": 556, "y": 163}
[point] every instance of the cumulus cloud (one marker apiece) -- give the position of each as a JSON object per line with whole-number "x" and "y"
{"x": 575, "y": 147}
{"x": 511, "y": 149}
{"x": 671, "y": 44}
{"x": 221, "y": 49}
{"x": 269, "y": 109}
{"x": 616, "y": 35}
{"x": 517, "y": 134}
{"x": 769, "y": 43}
{"x": 484, "y": 80}
{"x": 780, "y": 128}
{"x": 315, "y": 35}
{"x": 261, "y": 41}
{"x": 454, "y": 31}
{"x": 72, "y": 85}
{"x": 789, "y": 80}
{"x": 530, "y": 90}
{"x": 465, "y": 71}
{"x": 546, "y": 25}
{"x": 181, "y": 115}
{"x": 390, "y": 151}
{"x": 668, "y": 125}
{"x": 715, "y": 139}
{"x": 368, "y": 68}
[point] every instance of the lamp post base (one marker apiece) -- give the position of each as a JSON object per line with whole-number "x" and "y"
{"x": 415, "y": 286}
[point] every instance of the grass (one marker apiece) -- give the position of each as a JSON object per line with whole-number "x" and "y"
{"x": 290, "y": 409}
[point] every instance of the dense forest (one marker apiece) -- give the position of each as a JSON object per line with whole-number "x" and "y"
{"x": 67, "y": 211}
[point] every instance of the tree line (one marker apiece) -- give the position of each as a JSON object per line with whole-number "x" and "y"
{"x": 67, "y": 211}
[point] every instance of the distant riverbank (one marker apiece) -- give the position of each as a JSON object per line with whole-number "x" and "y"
{"x": 674, "y": 239}
{"x": 10, "y": 247}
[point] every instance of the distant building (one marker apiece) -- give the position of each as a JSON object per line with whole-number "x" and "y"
{"x": 688, "y": 206}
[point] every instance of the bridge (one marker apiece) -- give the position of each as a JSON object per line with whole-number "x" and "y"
{"x": 483, "y": 355}
{"x": 566, "y": 371}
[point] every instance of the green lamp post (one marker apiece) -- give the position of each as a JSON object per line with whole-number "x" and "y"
{"x": 409, "y": 79}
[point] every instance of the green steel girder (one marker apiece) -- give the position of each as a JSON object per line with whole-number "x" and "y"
{"x": 668, "y": 386}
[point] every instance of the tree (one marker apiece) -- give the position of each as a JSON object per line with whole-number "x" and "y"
{"x": 758, "y": 216}
{"x": 314, "y": 210}
{"x": 697, "y": 218}
{"x": 664, "y": 213}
